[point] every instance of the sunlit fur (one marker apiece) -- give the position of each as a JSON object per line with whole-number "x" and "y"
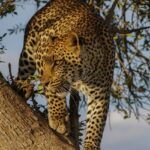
{"x": 70, "y": 47}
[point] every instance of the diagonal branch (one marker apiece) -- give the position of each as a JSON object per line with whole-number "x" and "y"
{"x": 23, "y": 129}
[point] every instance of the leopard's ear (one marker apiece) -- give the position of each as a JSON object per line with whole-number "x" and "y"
{"x": 74, "y": 42}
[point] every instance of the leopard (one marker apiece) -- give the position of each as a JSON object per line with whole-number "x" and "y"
{"x": 71, "y": 47}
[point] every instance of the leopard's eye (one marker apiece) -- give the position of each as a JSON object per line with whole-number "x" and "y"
{"x": 57, "y": 62}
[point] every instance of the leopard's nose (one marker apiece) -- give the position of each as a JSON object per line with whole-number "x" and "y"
{"x": 46, "y": 83}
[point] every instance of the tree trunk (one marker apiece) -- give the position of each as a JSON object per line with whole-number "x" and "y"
{"x": 23, "y": 129}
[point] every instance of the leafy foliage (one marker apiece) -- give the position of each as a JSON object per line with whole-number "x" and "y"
{"x": 2, "y": 47}
{"x": 131, "y": 26}
{"x": 7, "y": 7}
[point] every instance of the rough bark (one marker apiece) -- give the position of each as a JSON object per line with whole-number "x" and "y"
{"x": 23, "y": 129}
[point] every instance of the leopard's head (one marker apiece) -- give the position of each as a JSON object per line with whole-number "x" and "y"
{"x": 62, "y": 64}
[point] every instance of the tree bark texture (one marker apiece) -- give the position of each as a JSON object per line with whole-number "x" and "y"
{"x": 23, "y": 129}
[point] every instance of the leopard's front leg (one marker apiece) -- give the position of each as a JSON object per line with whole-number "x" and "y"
{"x": 27, "y": 68}
{"x": 57, "y": 112}
{"x": 98, "y": 104}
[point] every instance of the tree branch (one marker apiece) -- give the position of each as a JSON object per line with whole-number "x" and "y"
{"x": 111, "y": 12}
{"x": 128, "y": 31}
{"x": 23, "y": 129}
{"x": 74, "y": 116}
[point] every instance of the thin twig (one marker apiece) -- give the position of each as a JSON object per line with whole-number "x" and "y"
{"x": 10, "y": 73}
{"x": 122, "y": 64}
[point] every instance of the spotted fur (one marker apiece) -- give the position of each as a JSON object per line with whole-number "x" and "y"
{"x": 71, "y": 47}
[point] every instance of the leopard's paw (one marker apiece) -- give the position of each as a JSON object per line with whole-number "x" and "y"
{"x": 24, "y": 88}
{"x": 60, "y": 125}
{"x": 28, "y": 91}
